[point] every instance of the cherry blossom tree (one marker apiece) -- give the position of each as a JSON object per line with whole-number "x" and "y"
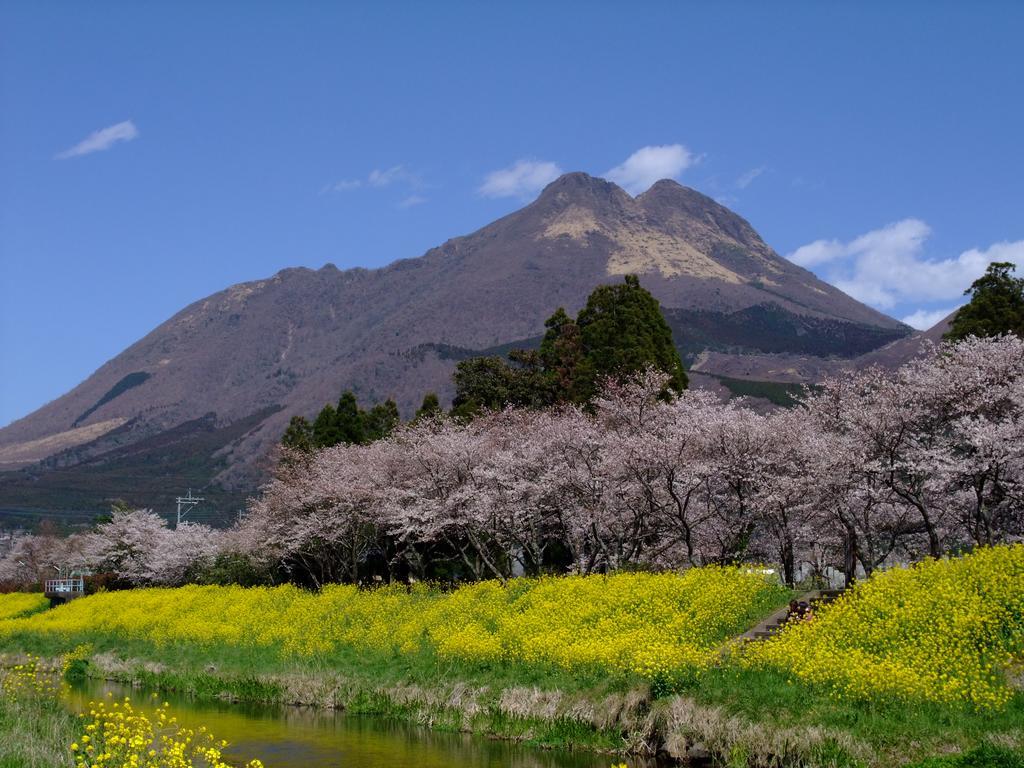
{"x": 34, "y": 558}
{"x": 789, "y": 501}
{"x": 868, "y": 467}
{"x": 319, "y": 518}
{"x": 139, "y": 549}
{"x": 974, "y": 392}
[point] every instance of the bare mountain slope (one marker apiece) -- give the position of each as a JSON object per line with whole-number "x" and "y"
{"x": 789, "y": 368}
{"x": 256, "y": 353}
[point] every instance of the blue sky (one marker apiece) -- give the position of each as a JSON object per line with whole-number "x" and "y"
{"x": 151, "y": 154}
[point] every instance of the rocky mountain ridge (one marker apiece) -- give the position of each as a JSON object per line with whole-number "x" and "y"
{"x": 226, "y": 373}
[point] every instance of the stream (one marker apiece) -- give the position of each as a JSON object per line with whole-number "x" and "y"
{"x": 302, "y": 737}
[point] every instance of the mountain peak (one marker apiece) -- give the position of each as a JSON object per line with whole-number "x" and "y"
{"x": 257, "y": 353}
{"x": 574, "y": 180}
{"x": 670, "y": 192}
{"x": 578, "y": 188}
{"x": 667, "y": 199}
{"x": 663, "y": 186}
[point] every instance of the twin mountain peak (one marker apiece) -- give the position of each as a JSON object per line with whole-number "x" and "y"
{"x": 220, "y": 379}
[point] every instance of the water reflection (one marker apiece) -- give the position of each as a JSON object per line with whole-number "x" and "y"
{"x": 301, "y": 737}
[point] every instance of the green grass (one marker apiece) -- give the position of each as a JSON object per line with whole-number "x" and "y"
{"x": 386, "y": 668}
{"x": 35, "y": 734}
{"x": 416, "y": 688}
{"x": 778, "y": 393}
{"x": 894, "y": 733}
{"x": 985, "y": 756}
{"x": 762, "y": 708}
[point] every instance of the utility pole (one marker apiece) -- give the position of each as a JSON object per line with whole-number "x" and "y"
{"x": 185, "y": 505}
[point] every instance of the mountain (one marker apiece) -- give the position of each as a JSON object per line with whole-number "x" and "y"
{"x": 794, "y": 368}
{"x": 903, "y": 350}
{"x": 202, "y": 398}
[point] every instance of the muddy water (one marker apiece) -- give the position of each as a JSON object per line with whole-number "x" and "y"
{"x": 298, "y": 737}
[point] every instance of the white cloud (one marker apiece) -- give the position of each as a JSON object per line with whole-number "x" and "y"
{"x": 818, "y": 252}
{"x": 411, "y": 201}
{"x": 747, "y": 178}
{"x": 344, "y": 185}
{"x": 524, "y": 178}
{"x": 392, "y": 175}
{"x": 886, "y": 266}
{"x": 105, "y": 138}
{"x": 923, "y": 319}
{"x": 904, "y": 237}
{"x": 650, "y": 164}
{"x": 378, "y": 178}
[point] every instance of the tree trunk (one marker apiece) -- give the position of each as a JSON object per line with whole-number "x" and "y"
{"x": 788, "y": 562}
{"x": 849, "y": 556}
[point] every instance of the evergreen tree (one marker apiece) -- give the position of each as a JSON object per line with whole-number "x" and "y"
{"x": 348, "y": 424}
{"x": 381, "y": 420}
{"x": 325, "y": 428}
{"x": 350, "y": 420}
{"x": 299, "y": 435}
{"x": 996, "y": 305}
{"x": 483, "y": 382}
{"x": 623, "y": 331}
{"x": 561, "y": 355}
{"x": 430, "y": 407}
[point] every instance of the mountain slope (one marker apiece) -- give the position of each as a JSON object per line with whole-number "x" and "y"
{"x": 789, "y": 368}
{"x": 258, "y": 352}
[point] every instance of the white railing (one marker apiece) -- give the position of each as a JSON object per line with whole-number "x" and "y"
{"x": 64, "y": 586}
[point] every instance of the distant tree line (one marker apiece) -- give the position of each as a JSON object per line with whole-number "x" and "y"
{"x": 621, "y": 331}
{"x": 872, "y": 466}
{"x": 344, "y": 424}
{"x": 869, "y": 467}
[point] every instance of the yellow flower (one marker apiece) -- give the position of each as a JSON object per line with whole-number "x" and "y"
{"x": 126, "y": 737}
{"x": 942, "y": 631}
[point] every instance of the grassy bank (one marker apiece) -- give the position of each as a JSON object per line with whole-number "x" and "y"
{"x": 985, "y": 756}
{"x": 628, "y": 663}
{"x": 745, "y": 717}
{"x": 35, "y": 730}
{"x": 757, "y": 713}
{"x": 544, "y": 707}
{"x": 39, "y": 730}
{"x": 35, "y": 733}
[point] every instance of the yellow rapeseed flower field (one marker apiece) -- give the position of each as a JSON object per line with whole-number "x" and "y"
{"x": 116, "y": 735}
{"x": 22, "y": 604}
{"x": 28, "y": 680}
{"x": 941, "y": 631}
{"x": 641, "y": 623}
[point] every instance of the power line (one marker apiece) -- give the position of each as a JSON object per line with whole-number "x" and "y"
{"x": 185, "y": 505}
